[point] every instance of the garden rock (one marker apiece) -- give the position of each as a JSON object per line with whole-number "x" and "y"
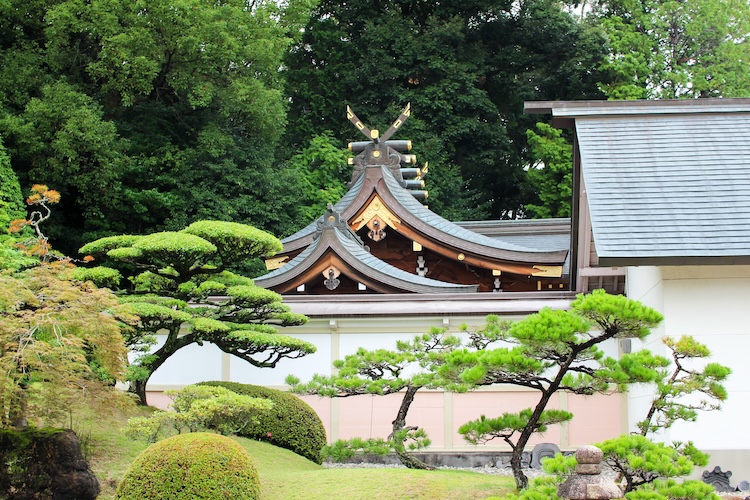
{"x": 44, "y": 464}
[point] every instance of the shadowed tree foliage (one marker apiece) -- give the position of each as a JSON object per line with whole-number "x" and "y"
{"x": 552, "y": 175}
{"x": 149, "y": 116}
{"x": 11, "y": 200}
{"x": 168, "y": 270}
{"x": 465, "y": 67}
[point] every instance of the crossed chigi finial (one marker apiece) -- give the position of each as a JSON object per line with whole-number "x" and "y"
{"x": 373, "y": 134}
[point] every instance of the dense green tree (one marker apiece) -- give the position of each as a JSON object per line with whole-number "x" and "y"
{"x": 672, "y": 49}
{"x": 557, "y": 351}
{"x": 171, "y": 268}
{"x": 323, "y": 168}
{"x": 552, "y": 176}
{"x": 149, "y": 115}
{"x": 465, "y": 67}
{"x": 11, "y": 200}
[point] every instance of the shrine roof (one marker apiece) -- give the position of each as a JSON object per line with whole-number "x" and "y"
{"x": 368, "y": 267}
{"x": 527, "y": 248}
{"x": 542, "y": 234}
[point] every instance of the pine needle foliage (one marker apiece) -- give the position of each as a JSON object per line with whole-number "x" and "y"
{"x": 178, "y": 282}
{"x": 553, "y": 351}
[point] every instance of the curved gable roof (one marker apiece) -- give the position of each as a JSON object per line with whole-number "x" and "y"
{"x": 379, "y": 179}
{"x": 334, "y": 243}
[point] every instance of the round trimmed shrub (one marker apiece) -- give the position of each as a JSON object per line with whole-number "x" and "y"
{"x": 189, "y": 466}
{"x": 290, "y": 424}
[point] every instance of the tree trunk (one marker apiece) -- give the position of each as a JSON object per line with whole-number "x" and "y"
{"x": 522, "y": 482}
{"x": 410, "y": 461}
{"x": 171, "y": 346}
{"x": 18, "y": 409}
{"x": 399, "y": 424}
{"x": 138, "y": 387}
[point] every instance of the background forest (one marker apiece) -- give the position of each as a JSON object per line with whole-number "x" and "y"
{"x": 148, "y": 115}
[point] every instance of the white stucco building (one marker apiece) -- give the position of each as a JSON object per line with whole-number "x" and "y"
{"x": 662, "y": 198}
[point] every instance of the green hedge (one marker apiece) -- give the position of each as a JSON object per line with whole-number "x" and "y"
{"x": 290, "y": 424}
{"x": 190, "y": 466}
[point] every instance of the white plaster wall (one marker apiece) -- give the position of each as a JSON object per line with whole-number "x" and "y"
{"x": 709, "y": 303}
{"x": 190, "y": 365}
{"x": 304, "y": 367}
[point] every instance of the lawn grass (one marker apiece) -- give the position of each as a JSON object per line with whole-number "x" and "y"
{"x": 287, "y": 476}
{"x": 108, "y": 450}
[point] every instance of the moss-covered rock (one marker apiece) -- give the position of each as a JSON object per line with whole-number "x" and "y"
{"x": 189, "y": 466}
{"x": 44, "y": 463}
{"x": 290, "y": 424}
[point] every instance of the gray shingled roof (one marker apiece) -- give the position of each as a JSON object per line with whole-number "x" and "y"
{"x": 431, "y": 218}
{"x": 541, "y": 234}
{"x": 344, "y": 202}
{"x": 666, "y": 181}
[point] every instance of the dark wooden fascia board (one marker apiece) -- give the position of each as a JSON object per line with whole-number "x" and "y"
{"x": 367, "y": 274}
{"x": 440, "y": 248}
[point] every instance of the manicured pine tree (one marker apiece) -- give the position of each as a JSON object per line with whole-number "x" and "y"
{"x": 553, "y": 351}
{"x": 173, "y": 274}
{"x": 412, "y": 366}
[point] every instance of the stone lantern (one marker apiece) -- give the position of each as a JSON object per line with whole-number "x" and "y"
{"x": 588, "y": 482}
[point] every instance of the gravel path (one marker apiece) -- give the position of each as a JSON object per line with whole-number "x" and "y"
{"x": 501, "y": 471}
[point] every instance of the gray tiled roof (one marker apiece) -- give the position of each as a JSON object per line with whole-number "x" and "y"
{"x": 541, "y": 234}
{"x": 446, "y": 226}
{"x": 666, "y": 185}
{"x": 501, "y": 242}
{"x": 344, "y": 202}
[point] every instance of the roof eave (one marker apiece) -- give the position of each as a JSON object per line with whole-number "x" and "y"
{"x": 675, "y": 260}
